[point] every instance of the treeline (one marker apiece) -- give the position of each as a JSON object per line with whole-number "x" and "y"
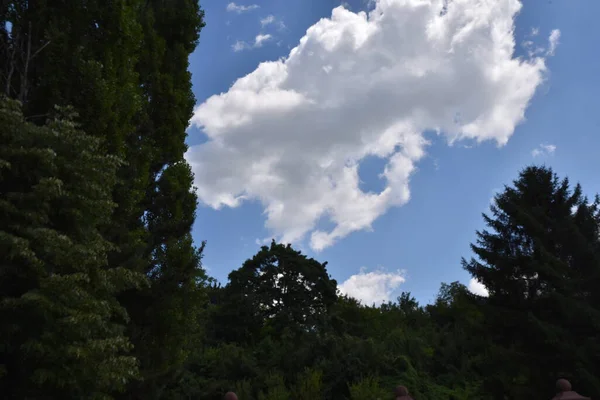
{"x": 278, "y": 331}
{"x": 102, "y": 291}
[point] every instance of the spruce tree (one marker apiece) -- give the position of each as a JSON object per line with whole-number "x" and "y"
{"x": 62, "y": 330}
{"x": 541, "y": 247}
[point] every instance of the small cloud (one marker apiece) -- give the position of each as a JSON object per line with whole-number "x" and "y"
{"x": 477, "y": 288}
{"x": 534, "y": 50}
{"x": 264, "y": 241}
{"x": 553, "y": 42}
{"x": 232, "y": 7}
{"x": 269, "y": 19}
{"x": 239, "y": 46}
{"x": 260, "y": 39}
{"x": 372, "y": 287}
{"x": 543, "y": 150}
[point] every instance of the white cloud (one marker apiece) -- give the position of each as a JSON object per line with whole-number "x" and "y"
{"x": 269, "y": 19}
{"x": 553, "y": 42}
{"x": 477, "y": 288}
{"x": 533, "y": 49}
{"x": 543, "y": 150}
{"x": 372, "y": 287}
{"x": 292, "y": 133}
{"x": 232, "y": 7}
{"x": 239, "y": 46}
{"x": 259, "y": 40}
{"x": 264, "y": 241}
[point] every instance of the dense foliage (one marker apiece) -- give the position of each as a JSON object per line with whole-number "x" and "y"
{"x": 102, "y": 291}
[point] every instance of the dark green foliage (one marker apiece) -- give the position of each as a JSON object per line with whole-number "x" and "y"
{"x": 278, "y": 289}
{"x": 368, "y": 388}
{"x": 166, "y": 324}
{"x": 62, "y": 328}
{"x": 122, "y": 65}
{"x": 538, "y": 262}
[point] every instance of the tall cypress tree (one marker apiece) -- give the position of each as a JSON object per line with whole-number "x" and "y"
{"x": 165, "y": 325}
{"x": 541, "y": 247}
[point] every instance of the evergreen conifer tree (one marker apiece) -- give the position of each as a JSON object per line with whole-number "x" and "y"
{"x": 541, "y": 248}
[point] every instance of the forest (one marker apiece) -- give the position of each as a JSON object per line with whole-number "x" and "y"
{"x": 102, "y": 290}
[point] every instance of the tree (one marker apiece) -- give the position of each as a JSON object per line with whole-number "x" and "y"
{"x": 542, "y": 246}
{"x": 81, "y": 54}
{"x": 167, "y": 317}
{"x": 124, "y": 68}
{"x": 279, "y": 288}
{"x": 166, "y": 325}
{"x": 63, "y": 329}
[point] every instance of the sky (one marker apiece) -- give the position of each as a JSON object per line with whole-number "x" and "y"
{"x": 372, "y": 134}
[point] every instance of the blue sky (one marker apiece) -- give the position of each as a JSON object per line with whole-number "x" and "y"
{"x": 313, "y": 119}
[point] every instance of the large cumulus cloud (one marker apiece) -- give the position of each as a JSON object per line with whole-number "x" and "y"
{"x": 292, "y": 133}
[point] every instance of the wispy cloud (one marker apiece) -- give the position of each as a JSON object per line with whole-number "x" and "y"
{"x": 237, "y": 8}
{"x": 534, "y": 49}
{"x": 534, "y": 31}
{"x": 543, "y": 150}
{"x": 272, "y": 20}
{"x": 269, "y": 19}
{"x": 259, "y": 40}
{"x": 553, "y": 42}
{"x": 239, "y": 46}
